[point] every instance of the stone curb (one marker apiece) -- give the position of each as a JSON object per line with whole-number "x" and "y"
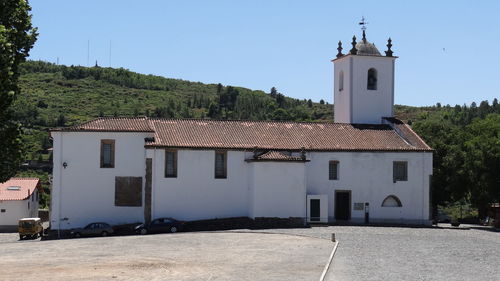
{"x": 327, "y": 266}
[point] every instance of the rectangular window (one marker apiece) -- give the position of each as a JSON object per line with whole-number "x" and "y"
{"x": 107, "y": 153}
{"x": 170, "y": 163}
{"x": 220, "y": 164}
{"x": 128, "y": 191}
{"x": 333, "y": 170}
{"x": 400, "y": 171}
{"x": 3, "y": 211}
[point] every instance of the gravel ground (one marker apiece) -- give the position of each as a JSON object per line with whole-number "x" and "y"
{"x": 394, "y": 253}
{"x": 364, "y": 253}
{"x": 182, "y": 256}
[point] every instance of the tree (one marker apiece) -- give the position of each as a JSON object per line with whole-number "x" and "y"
{"x": 281, "y": 114}
{"x": 280, "y": 100}
{"x": 309, "y": 103}
{"x": 61, "y": 120}
{"x": 482, "y": 150}
{"x": 321, "y": 101}
{"x": 17, "y": 37}
{"x": 273, "y": 92}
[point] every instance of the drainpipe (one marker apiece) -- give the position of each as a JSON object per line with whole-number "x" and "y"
{"x": 60, "y": 187}
{"x": 153, "y": 172}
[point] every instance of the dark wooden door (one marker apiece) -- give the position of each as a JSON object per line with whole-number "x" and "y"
{"x": 342, "y": 205}
{"x": 315, "y": 210}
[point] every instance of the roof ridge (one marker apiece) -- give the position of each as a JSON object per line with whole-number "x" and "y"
{"x": 260, "y": 121}
{"x": 416, "y": 135}
{"x": 23, "y": 178}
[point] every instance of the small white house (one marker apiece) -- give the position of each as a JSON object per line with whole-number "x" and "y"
{"x": 18, "y": 199}
{"x": 365, "y": 164}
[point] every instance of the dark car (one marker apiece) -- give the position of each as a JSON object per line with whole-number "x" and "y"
{"x": 93, "y": 229}
{"x": 160, "y": 225}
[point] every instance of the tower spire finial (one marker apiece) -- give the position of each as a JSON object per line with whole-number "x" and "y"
{"x": 353, "y": 51}
{"x": 363, "y": 24}
{"x": 339, "y": 54}
{"x": 389, "y": 52}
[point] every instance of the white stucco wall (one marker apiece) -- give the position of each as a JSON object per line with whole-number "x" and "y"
{"x": 14, "y": 210}
{"x": 357, "y": 104}
{"x": 83, "y": 192}
{"x": 369, "y": 177}
{"x": 196, "y": 194}
{"x": 278, "y": 189}
{"x": 342, "y": 99}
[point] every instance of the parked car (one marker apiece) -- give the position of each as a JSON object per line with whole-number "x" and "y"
{"x": 30, "y": 227}
{"x": 160, "y": 225}
{"x": 93, "y": 229}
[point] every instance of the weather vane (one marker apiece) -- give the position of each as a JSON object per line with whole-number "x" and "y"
{"x": 363, "y": 24}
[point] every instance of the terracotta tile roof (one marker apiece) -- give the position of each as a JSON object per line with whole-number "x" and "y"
{"x": 266, "y": 135}
{"x": 18, "y": 188}
{"x": 274, "y": 155}
{"x": 274, "y": 135}
{"x": 112, "y": 124}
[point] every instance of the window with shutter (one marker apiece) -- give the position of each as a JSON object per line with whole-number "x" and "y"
{"x": 170, "y": 164}
{"x": 400, "y": 171}
{"x": 333, "y": 170}
{"x": 220, "y": 164}
{"x": 107, "y": 153}
{"x": 128, "y": 191}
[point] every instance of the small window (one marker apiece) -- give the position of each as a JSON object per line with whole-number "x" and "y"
{"x": 128, "y": 191}
{"x": 400, "y": 171}
{"x": 220, "y": 164}
{"x": 392, "y": 201}
{"x": 170, "y": 164}
{"x": 372, "y": 79}
{"x": 107, "y": 153}
{"x": 341, "y": 80}
{"x": 333, "y": 170}
{"x": 2, "y": 211}
{"x": 28, "y": 205}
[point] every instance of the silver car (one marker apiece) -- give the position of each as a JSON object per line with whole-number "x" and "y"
{"x": 93, "y": 229}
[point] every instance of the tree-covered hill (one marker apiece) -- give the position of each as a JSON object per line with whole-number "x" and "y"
{"x": 57, "y": 95}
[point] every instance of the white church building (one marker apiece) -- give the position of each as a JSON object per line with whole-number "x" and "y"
{"x": 365, "y": 164}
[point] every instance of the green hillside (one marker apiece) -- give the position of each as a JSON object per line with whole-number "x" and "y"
{"x": 56, "y": 95}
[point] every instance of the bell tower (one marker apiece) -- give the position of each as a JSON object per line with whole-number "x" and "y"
{"x": 363, "y": 82}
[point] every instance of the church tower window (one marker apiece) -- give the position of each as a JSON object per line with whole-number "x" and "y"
{"x": 372, "y": 79}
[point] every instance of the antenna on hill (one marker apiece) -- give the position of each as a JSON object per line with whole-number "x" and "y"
{"x": 88, "y": 52}
{"x": 109, "y": 53}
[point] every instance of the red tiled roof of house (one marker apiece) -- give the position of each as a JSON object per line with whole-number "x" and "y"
{"x": 18, "y": 188}
{"x": 265, "y": 135}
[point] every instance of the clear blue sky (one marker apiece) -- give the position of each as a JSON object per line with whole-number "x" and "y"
{"x": 449, "y": 50}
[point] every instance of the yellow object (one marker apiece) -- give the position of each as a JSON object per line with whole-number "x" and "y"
{"x": 30, "y": 228}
